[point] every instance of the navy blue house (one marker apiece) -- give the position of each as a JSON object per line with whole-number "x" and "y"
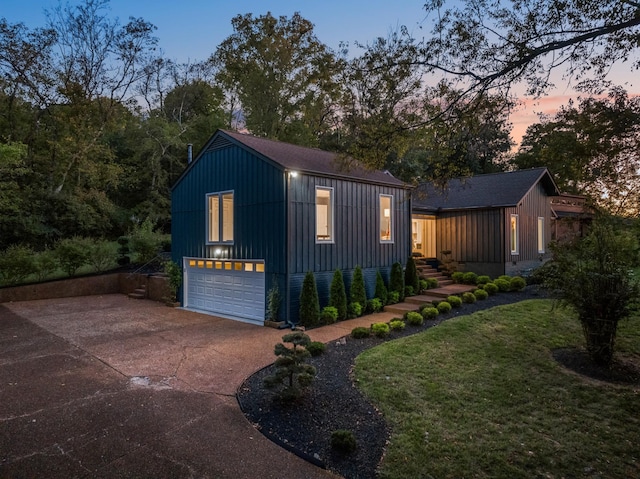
{"x": 249, "y": 213}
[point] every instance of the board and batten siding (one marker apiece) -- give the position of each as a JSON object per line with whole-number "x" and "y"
{"x": 259, "y": 208}
{"x": 535, "y": 204}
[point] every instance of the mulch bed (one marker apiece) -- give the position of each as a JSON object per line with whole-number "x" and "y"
{"x": 333, "y": 402}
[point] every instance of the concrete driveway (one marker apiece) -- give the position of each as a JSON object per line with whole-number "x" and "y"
{"x": 105, "y": 386}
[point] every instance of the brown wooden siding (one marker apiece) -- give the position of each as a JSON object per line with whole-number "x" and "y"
{"x": 471, "y": 236}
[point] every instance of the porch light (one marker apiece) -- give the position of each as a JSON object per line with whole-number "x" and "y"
{"x": 293, "y": 174}
{"x": 217, "y": 253}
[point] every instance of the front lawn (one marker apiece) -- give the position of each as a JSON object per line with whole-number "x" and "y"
{"x": 482, "y": 396}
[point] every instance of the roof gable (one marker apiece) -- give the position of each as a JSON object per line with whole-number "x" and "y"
{"x": 296, "y": 158}
{"x": 496, "y": 190}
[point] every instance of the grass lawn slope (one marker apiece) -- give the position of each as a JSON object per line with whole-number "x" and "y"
{"x": 482, "y": 396}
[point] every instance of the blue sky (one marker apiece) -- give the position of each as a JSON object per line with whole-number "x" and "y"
{"x": 191, "y": 30}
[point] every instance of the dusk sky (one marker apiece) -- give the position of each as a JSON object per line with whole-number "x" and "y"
{"x": 190, "y": 30}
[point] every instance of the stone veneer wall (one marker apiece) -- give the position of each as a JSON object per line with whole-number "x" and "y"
{"x": 124, "y": 283}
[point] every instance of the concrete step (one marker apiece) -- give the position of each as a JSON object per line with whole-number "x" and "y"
{"x": 138, "y": 293}
{"x": 401, "y": 308}
{"x": 422, "y": 299}
{"x": 451, "y": 290}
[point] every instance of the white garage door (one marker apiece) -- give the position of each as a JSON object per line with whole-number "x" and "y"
{"x": 232, "y": 289}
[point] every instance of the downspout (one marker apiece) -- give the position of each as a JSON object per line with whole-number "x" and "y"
{"x": 287, "y": 242}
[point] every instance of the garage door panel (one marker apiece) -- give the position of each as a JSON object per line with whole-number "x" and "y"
{"x": 233, "y": 288}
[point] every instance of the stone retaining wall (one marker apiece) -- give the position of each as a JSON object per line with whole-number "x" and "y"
{"x": 157, "y": 287}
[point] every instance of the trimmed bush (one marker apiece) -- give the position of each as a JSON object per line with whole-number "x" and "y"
{"x": 411, "y": 278}
{"x": 355, "y": 310}
{"x": 374, "y": 305}
{"x": 343, "y": 441}
{"x": 502, "y": 284}
{"x": 469, "y": 278}
{"x": 491, "y": 288}
{"x": 316, "y": 348}
{"x": 358, "y": 292}
{"x": 381, "y": 289}
{"x": 292, "y": 373}
{"x": 505, "y": 277}
{"x": 443, "y": 307}
{"x": 468, "y": 297}
{"x": 432, "y": 282}
{"x": 338, "y": 295}
{"x": 393, "y": 297}
{"x": 480, "y": 294}
{"x": 396, "y": 325}
{"x": 396, "y": 281}
{"x": 454, "y": 301}
{"x": 309, "y": 302}
{"x": 484, "y": 279}
{"x": 430, "y": 312}
{"x": 424, "y": 284}
{"x": 518, "y": 283}
{"x": 458, "y": 277}
{"x": 328, "y": 315}
{"x": 274, "y": 299}
{"x": 408, "y": 291}
{"x": 414, "y": 319}
{"x": 381, "y": 330}
{"x": 360, "y": 332}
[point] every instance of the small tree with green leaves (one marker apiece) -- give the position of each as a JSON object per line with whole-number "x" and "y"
{"x": 309, "y": 302}
{"x": 593, "y": 276}
{"x": 358, "y": 290}
{"x": 381, "y": 289}
{"x": 411, "y": 277}
{"x": 338, "y": 295}
{"x": 16, "y": 263}
{"x": 72, "y": 253}
{"x": 396, "y": 281}
{"x": 174, "y": 275}
{"x": 292, "y": 373}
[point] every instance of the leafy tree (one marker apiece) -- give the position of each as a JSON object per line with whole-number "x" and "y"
{"x": 584, "y": 37}
{"x": 593, "y": 276}
{"x": 309, "y": 301}
{"x": 592, "y": 149}
{"x": 338, "y": 295}
{"x": 13, "y": 171}
{"x": 282, "y": 76}
{"x": 358, "y": 290}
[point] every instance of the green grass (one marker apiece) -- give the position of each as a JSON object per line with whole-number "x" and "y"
{"x": 481, "y": 396}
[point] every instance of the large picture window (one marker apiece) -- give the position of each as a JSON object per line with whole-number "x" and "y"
{"x": 386, "y": 218}
{"x": 220, "y": 217}
{"x": 324, "y": 215}
{"x": 513, "y": 234}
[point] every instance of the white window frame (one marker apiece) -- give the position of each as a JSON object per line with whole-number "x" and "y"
{"x": 329, "y": 238}
{"x": 514, "y": 235}
{"x": 381, "y": 215}
{"x": 541, "y": 235}
{"x": 221, "y": 218}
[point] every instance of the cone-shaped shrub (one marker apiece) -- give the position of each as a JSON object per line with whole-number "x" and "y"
{"x": 338, "y": 295}
{"x": 411, "y": 275}
{"x": 396, "y": 281}
{"x": 309, "y": 302}
{"x": 381, "y": 289}
{"x": 358, "y": 291}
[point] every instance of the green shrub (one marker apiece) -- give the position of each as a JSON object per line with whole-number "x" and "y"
{"x": 411, "y": 278}
{"x": 518, "y": 283}
{"x": 393, "y": 297}
{"x": 381, "y": 330}
{"x": 430, "y": 312}
{"x": 360, "y": 332}
{"x": 374, "y": 305}
{"x": 381, "y": 289}
{"x": 123, "y": 250}
{"x": 458, "y": 277}
{"x": 484, "y": 279}
{"x": 424, "y": 284}
{"x": 396, "y": 325}
{"x": 274, "y": 299}
{"x": 309, "y": 302}
{"x": 358, "y": 291}
{"x": 443, "y": 307}
{"x": 454, "y": 301}
{"x": 502, "y": 284}
{"x": 292, "y": 373}
{"x": 408, "y": 291}
{"x": 468, "y": 297}
{"x": 174, "y": 275}
{"x": 101, "y": 255}
{"x": 145, "y": 241}
{"x": 355, "y": 310}
{"x": 396, "y": 281}
{"x": 432, "y": 282}
{"x": 328, "y": 315}
{"x": 413, "y": 318}
{"x": 46, "y": 264}
{"x": 16, "y": 263}
{"x": 343, "y": 441}
{"x": 480, "y": 294}
{"x": 505, "y": 277}
{"x": 316, "y": 348}
{"x": 491, "y": 288}
{"x": 72, "y": 254}
{"x": 469, "y": 278}
{"x": 338, "y": 295}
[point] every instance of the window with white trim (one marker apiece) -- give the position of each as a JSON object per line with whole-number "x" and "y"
{"x": 386, "y": 218}
{"x": 220, "y": 217}
{"x": 541, "y": 244}
{"x": 324, "y": 214}
{"x": 513, "y": 234}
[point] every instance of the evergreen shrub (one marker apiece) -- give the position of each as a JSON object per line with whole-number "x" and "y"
{"x": 444, "y": 307}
